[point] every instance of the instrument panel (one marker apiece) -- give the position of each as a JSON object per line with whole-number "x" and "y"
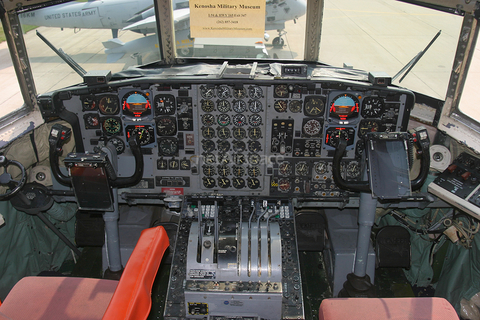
{"x": 238, "y": 136}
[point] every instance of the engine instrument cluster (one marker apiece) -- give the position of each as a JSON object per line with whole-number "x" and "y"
{"x": 254, "y": 136}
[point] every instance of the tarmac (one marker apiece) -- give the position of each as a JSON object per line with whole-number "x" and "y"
{"x": 373, "y": 35}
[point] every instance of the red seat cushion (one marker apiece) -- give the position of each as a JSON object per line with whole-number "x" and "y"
{"x": 386, "y": 309}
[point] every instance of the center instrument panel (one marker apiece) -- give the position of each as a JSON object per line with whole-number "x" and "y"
{"x": 266, "y": 137}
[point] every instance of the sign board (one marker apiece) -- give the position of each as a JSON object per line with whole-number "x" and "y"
{"x": 227, "y": 19}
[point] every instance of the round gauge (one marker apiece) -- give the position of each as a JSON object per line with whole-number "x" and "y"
{"x": 344, "y": 107}
{"x": 112, "y": 125}
{"x": 280, "y": 106}
{"x": 223, "y": 92}
{"x": 312, "y": 127}
{"x": 223, "y": 146}
{"x": 253, "y": 171}
{"x": 208, "y": 145}
{"x": 223, "y": 119}
{"x": 91, "y": 121}
{"x": 238, "y": 183}
{"x": 255, "y": 120}
{"x": 164, "y": 104}
{"x": 281, "y": 91}
{"x": 208, "y": 170}
{"x": 224, "y": 182}
{"x": 239, "y": 93}
{"x": 207, "y": 105}
{"x": 118, "y": 143}
{"x": 208, "y": 133}
{"x": 372, "y": 107}
{"x": 223, "y": 106}
{"x": 224, "y": 158}
{"x": 284, "y": 185}
{"x": 301, "y": 169}
{"x": 255, "y": 92}
{"x": 167, "y": 146}
{"x": 89, "y": 104}
{"x": 208, "y": 182}
{"x": 239, "y": 146}
{"x": 253, "y": 183}
{"x": 255, "y": 106}
{"x": 108, "y": 105}
{"x": 359, "y": 149}
{"x": 239, "y": 158}
{"x": 367, "y": 126}
{"x": 353, "y": 170}
{"x": 254, "y": 146}
{"x": 207, "y": 92}
{"x": 239, "y": 106}
{"x": 239, "y": 133}
{"x": 238, "y": 171}
{"x": 239, "y": 120}
{"x": 143, "y": 133}
{"x": 254, "y": 133}
{"x": 333, "y": 136}
{"x": 208, "y": 119}
{"x": 254, "y": 158}
{"x": 314, "y": 106}
{"x": 295, "y": 106}
{"x": 223, "y": 133}
{"x": 223, "y": 170}
{"x": 136, "y": 104}
{"x": 184, "y": 164}
{"x": 321, "y": 167}
{"x": 285, "y": 168}
{"x": 166, "y": 126}
{"x": 210, "y": 158}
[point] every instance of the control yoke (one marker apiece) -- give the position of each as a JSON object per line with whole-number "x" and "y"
{"x": 417, "y": 137}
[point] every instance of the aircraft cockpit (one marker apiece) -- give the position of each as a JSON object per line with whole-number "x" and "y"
{"x": 285, "y": 159}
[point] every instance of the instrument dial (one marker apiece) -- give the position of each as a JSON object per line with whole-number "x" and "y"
{"x": 108, "y": 105}
{"x": 145, "y": 134}
{"x": 253, "y": 171}
{"x": 223, "y": 182}
{"x": 223, "y": 146}
{"x": 223, "y": 133}
{"x": 238, "y": 183}
{"x": 281, "y": 91}
{"x": 223, "y": 92}
{"x": 238, "y": 171}
{"x": 254, "y": 133}
{"x": 209, "y": 170}
{"x": 210, "y": 158}
{"x": 208, "y": 132}
{"x": 118, "y": 143}
{"x": 312, "y": 127}
{"x": 239, "y": 106}
{"x": 255, "y": 120}
{"x": 223, "y": 170}
{"x": 254, "y": 158}
{"x": 239, "y": 93}
{"x": 92, "y": 121}
{"x": 208, "y": 145}
{"x": 223, "y": 119}
{"x": 238, "y": 146}
{"x": 301, "y": 169}
{"x": 280, "y": 106}
{"x": 239, "y": 158}
{"x": 314, "y": 106}
{"x": 344, "y": 107}
{"x": 239, "y": 133}
{"x": 164, "y": 104}
{"x": 255, "y": 92}
{"x": 89, "y": 104}
{"x": 285, "y": 168}
{"x": 295, "y": 106}
{"x": 253, "y": 183}
{"x": 223, "y": 158}
{"x": 207, "y": 105}
{"x": 254, "y": 146}
{"x": 136, "y": 104}
{"x": 166, "y": 126}
{"x": 208, "y": 119}
{"x": 372, "y": 107}
{"x": 367, "y": 126}
{"x": 223, "y": 106}
{"x": 112, "y": 126}
{"x": 208, "y": 182}
{"x": 333, "y": 136}
{"x": 321, "y": 167}
{"x": 353, "y": 170}
{"x": 284, "y": 185}
{"x": 207, "y": 92}
{"x": 239, "y": 120}
{"x": 167, "y": 146}
{"x": 255, "y": 106}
